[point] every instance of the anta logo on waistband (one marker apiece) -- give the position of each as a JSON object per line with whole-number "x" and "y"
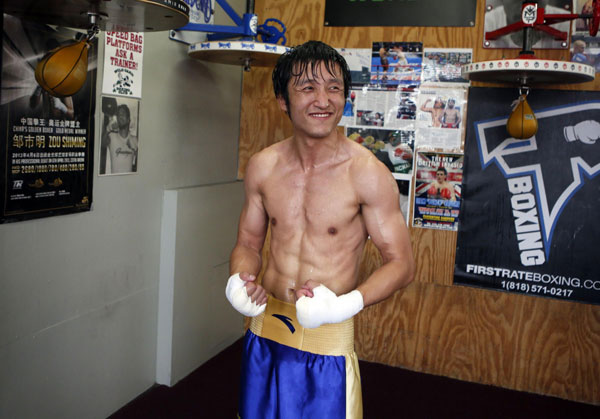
{"x": 286, "y": 320}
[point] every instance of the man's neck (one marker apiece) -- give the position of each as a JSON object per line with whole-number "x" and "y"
{"x": 314, "y": 153}
{"x": 124, "y": 132}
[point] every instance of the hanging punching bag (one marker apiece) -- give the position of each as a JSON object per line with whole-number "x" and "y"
{"x": 522, "y": 123}
{"x": 63, "y": 70}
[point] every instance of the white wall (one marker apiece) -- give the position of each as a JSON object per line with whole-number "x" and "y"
{"x": 194, "y": 321}
{"x": 79, "y": 293}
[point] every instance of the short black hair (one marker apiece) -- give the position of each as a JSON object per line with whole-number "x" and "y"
{"x": 443, "y": 170}
{"x": 295, "y": 62}
{"x": 126, "y": 109}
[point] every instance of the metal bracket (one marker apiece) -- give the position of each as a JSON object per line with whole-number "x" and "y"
{"x": 245, "y": 27}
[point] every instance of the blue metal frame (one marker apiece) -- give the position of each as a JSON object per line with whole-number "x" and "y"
{"x": 243, "y": 28}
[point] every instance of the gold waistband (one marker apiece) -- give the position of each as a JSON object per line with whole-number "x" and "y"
{"x": 279, "y": 323}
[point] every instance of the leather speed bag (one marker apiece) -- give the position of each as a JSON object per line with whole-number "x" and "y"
{"x": 63, "y": 70}
{"x": 522, "y": 122}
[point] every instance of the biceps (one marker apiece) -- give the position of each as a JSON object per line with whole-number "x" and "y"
{"x": 253, "y": 224}
{"x": 388, "y": 231}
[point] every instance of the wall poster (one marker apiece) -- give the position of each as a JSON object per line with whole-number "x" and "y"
{"x": 123, "y": 59}
{"x": 46, "y": 143}
{"x": 437, "y": 190}
{"x": 529, "y": 219}
{"x": 119, "y": 140}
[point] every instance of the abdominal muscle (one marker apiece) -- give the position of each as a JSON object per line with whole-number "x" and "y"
{"x": 330, "y": 259}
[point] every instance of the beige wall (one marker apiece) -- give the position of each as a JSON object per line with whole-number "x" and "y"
{"x": 79, "y": 293}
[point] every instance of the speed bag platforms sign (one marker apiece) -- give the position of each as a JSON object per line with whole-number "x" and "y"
{"x": 529, "y": 217}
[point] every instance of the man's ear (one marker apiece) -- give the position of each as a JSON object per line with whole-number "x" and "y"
{"x": 282, "y": 104}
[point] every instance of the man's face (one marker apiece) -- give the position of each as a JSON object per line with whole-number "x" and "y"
{"x": 122, "y": 118}
{"x": 316, "y": 101}
{"x": 440, "y": 176}
{"x": 451, "y": 104}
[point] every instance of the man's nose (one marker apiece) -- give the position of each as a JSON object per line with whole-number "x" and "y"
{"x": 321, "y": 98}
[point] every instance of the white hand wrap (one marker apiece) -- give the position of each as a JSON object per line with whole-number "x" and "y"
{"x": 59, "y": 105}
{"x": 326, "y": 307}
{"x": 238, "y": 297}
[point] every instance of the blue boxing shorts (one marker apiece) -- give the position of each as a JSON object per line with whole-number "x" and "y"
{"x": 290, "y": 372}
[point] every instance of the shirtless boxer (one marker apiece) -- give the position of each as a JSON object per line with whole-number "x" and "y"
{"x": 323, "y": 196}
{"x": 436, "y": 111}
{"x": 123, "y": 146}
{"x": 441, "y": 188}
{"x": 451, "y": 116}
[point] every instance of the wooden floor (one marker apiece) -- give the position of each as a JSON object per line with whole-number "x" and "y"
{"x": 212, "y": 391}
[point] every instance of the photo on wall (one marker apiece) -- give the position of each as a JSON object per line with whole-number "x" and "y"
{"x": 119, "y": 142}
{"x": 359, "y": 62}
{"x": 396, "y": 64}
{"x": 443, "y": 66}
{"x": 394, "y": 148}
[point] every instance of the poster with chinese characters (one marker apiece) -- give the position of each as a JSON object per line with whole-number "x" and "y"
{"x": 46, "y": 142}
{"x": 123, "y": 56}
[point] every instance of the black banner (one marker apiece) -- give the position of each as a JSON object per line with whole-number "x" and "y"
{"x": 46, "y": 143}
{"x": 529, "y": 218}
{"x": 400, "y": 13}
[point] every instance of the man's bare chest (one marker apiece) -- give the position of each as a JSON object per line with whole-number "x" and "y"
{"x": 311, "y": 203}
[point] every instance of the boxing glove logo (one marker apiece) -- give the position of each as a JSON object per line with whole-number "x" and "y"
{"x": 545, "y": 171}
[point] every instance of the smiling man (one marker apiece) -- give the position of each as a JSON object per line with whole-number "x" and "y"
{"x": 323, "y": 196}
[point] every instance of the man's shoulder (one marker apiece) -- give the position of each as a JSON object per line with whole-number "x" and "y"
{"x": 364, "y": 162}
{"x": 268, "y": 155}
{"x": 263, "y": 162}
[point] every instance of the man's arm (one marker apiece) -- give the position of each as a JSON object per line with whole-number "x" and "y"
{"x": 458, "y": 118}
{"x": 132, "y": 142}
{"x": 252, "y": 229}
{"x": 246, "y": 259}
{"x": 425, "y": 108}
{"x": 442, "y": 118}
{"x": 385, "y": 224}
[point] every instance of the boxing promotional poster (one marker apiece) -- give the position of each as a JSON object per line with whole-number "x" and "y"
{"x": 437, "y": 190}
{"x": 529, "y": 218}
{"x": 47, "y": 142}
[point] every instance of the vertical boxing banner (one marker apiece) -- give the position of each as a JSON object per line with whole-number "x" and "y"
{"x": 46, "y": 142}
{"x": 529, "y": 218}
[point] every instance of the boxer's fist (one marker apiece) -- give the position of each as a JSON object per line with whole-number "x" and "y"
{"x": 326, "y": 307}
{"x": 446, "y": 194}
{"x": 587, "y": 132}
{"x": 237, "y": 295}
